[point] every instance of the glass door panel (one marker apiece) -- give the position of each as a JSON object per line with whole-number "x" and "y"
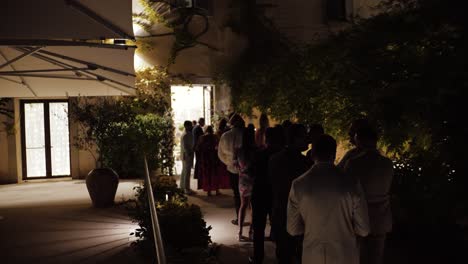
{"x": 207, "y": 104}
{"x": 59, "y": 139}
{"x": 35, "y": 140}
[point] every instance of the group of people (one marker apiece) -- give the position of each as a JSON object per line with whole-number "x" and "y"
{"x": 201, "y": 143}
{"x": 319, "y": 212}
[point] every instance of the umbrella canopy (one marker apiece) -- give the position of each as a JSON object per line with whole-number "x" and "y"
{"x": 66, "y": 19}
{"x": 54, "y": 48}
{"x": 66, "y": 71}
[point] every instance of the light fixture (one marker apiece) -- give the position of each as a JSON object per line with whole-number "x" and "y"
{"x": 120, "y": 41}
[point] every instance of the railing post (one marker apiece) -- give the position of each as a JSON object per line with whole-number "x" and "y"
{"x": 158, "y": 243}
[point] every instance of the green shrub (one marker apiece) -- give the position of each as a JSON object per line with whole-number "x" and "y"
{"x": 183, "y": 230}
{"x": 122, "y": 129}
{"x": 403, "y": 69}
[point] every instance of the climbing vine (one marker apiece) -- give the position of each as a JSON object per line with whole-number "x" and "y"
{"x": 177, "y": 16}
{"x": 4, "y": 110}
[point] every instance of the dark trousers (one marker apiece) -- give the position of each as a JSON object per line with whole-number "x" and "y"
{"x": 372, "y": 249}
{"x": 288, "y": 248}
{"x": 260, "y": 210}
{"x": 234, "y": 180}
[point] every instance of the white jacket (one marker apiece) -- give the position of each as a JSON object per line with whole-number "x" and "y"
{"x": 330, "y": 210}
{"x": 229, "y": 142}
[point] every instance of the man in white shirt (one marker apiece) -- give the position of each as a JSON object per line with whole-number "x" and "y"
{"x": 328, "y": 208}
{"x": 229, "y": 142}
{"x": 375, "y": 172}
{"x": 186, "y": 154}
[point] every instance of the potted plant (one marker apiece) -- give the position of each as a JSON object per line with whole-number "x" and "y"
{"x": 118, "y": 131}
{"x": 93, "y": 117}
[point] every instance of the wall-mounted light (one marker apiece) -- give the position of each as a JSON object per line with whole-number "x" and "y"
{"x": 120, "y": 41}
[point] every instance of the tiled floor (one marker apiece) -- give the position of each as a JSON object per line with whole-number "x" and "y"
{"x": 54, "y": 222}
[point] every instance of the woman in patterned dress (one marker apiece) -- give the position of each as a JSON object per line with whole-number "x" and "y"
{"x": 244, "y": 161}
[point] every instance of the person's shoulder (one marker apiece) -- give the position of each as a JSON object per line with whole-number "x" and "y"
{"x": 305, "y": 178}
{"x": 261, "y": 152}
{"x": 385, "y": 160}
{"x": 306, "y": 175}
{"x": 352, "y": 152}
{"x": 278, "y": 155}
{"x": 226, "y": 135}
{"x": 357, "y": 156}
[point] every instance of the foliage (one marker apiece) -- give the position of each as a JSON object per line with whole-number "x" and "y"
{"x": 182, "y": 226}
{"x": 122, "y": 129}
{"x": 4, "y": 109}
{"x": 176, "y": 16}
{"x": 405, "y": 70}
{"x": 7, "y": 112}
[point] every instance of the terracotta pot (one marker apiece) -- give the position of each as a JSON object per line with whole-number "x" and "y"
{"x": 102, "y": 185}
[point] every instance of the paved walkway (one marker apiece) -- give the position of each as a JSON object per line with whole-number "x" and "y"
{"x": 218, "y": 212}
{"x": 54, "y": 222}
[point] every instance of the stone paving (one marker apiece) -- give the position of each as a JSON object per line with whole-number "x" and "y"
{"x": 54, "y": 222}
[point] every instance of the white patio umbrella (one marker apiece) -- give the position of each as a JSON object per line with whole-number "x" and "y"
{"x": 55, "y": 48}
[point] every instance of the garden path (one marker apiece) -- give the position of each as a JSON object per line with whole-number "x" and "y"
{"x": 218, "y": 212}
{"x": 54, "y": 222}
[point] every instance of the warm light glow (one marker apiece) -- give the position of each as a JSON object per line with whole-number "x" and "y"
{"x": 139, "y": 63}
{"x": 138, "y": 30}
{"x": 187, "y": 104}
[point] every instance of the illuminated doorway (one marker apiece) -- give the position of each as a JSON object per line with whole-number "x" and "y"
{"x": 189, "y": 103}
{"x": 45, "y": 139}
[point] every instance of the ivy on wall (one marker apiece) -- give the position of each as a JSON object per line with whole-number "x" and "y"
{"x": 176, "y": 16}
{"x": 404, "y": 70}
{"x": 4, "y": 109}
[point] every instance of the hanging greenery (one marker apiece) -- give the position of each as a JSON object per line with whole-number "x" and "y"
{"x": 175, "y": 15}
{"x": 4, "y": 109}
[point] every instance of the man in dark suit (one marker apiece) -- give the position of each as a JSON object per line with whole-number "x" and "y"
{"x": 284, "y": 167}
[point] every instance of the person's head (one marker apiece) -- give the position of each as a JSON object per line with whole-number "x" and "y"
{"x": 237, "y": 121}
{"x": 355, "y": 125}
{"x": 366, "y": 138}
{"x": 286, "y": 123}
{"x": 324, "y": 149}
{"x": 201, "y": 121}
{"x": 263, "y": 121}
{"x": 251, "y": 126}
{"x": 188, "y": 125}
{"x": 194, "y": 122}
{"x": 315, "y": 131}
{"x": 274, "y": 137}
{"x": 209, "y": 130}
{"x": 248, "y": 138}
{"x": 297, "y": 137}
{"x": 222, "y": 124}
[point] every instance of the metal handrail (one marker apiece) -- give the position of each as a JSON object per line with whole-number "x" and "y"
{"x": 158, "y": 243}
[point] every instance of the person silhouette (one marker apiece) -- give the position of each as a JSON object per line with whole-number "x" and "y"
{"x": 329, "y": 209}
{"x": 375, "y": 173}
